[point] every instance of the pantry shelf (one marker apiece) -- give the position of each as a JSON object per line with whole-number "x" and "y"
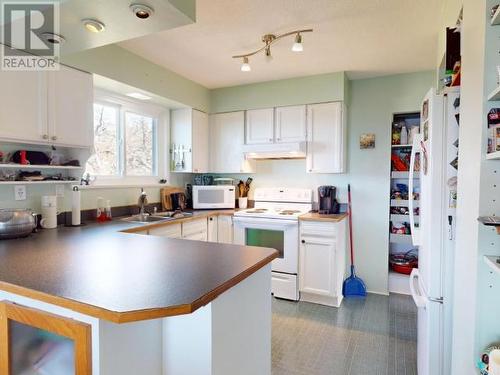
{"x": 400, "y": 238}
{"x": 402, "y": 218}
{"x": 401, "y": 146}
{"x": 494, "y": 95}
{"x": 493, "y": 155}
{"x": 495, "y": 20}
{"x": 402, "y": 203}
{"x": 34, "y": 166}
{"x": 491, "y": 261}
{"x": 403, "y": 175}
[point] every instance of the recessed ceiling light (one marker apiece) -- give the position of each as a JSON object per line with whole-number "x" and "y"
{"x": 93, "y": 26}
{"x": 138, "y": 95}
{"x": 141, "y": 11}
{"x": 53, "y": 38}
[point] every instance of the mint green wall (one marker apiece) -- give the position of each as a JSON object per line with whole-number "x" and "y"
{"x": 121, "y": 65}
{"x": 309, "y": 89}
{"x": 372, "y": 103}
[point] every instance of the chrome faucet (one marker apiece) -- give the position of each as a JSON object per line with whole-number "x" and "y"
{"x": 142, "y": 202}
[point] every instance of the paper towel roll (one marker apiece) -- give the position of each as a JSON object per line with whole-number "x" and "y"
{"x": 75, "y": 207}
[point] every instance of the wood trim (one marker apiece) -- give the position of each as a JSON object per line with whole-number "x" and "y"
{"x": 79, "y": 332}
{"x": 137, "y": 315}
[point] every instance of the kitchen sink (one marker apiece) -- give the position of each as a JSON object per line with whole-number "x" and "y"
{"x": 159, "y": 216}
{"x": 173, "y": 214}
{"x": 144, "y": 219}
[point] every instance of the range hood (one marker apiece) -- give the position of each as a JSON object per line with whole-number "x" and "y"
{"x": 293, "y": 150}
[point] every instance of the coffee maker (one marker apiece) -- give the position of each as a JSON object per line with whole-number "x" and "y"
{"x": 327, "y": 201}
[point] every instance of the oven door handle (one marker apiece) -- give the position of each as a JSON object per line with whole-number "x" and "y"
{"x": 263, "y": 221}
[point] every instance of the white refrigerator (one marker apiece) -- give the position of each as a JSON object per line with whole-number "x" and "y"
{"x": 436, "y": 150}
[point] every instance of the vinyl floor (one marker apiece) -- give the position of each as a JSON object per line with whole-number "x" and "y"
{"x": 376, "y": 335}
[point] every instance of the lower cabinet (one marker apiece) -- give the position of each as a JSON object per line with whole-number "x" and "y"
{"x": 195, "y": 230}
{"x": 26, "y": 333}
{"x": 171, "y": 231}
{"x": 213, "y": 223}
{"x": 322, "y": 262}
{"x": 225, "y": 229}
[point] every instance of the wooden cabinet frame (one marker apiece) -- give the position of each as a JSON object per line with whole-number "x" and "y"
{"x": 78, "y": 332}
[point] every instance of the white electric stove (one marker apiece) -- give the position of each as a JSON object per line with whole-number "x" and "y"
{"x": 273, "y": 222}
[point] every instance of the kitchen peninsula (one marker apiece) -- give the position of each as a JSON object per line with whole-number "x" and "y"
{"x": 134, "y": 304}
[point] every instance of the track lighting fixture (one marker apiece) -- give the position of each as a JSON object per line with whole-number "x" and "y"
{"x": 268, "y": 40}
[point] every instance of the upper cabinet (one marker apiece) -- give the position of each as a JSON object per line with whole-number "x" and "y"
{"x": 47, "y": 107}
{"x": 189, "y": 141}
{"x": 70, "y": 101}
{"x": 227, "y": 135}
{"x": 325, "y": 138}
{"x": 23, "y": 116}
{"x": 290, "y": 124}
{"x": 259, "y": 126}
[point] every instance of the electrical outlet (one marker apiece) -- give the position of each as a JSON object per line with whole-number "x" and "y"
{"x": 60, "y": 191}
{"x": 20, "y": 192}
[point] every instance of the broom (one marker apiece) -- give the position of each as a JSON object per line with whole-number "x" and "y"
{"x": 353, "y": 286}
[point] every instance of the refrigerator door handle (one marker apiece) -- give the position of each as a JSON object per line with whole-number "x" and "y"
{"x": 418, "y": 297}
{"x": 415, "y": 233}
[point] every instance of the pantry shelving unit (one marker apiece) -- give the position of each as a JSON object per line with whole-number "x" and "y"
{"x": 398, "y": 210}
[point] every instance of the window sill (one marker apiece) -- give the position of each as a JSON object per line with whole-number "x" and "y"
{"x": 120, "y": 186}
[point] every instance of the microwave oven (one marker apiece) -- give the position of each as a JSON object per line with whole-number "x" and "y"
{"x": 214, "y": 196}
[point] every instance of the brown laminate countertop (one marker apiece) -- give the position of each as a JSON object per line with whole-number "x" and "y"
{"x": 314, "y": 216}
{"x": 101, "y": 271}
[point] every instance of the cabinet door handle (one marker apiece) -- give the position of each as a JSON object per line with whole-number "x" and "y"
{"x": 303, "y": 241}
{"x": 278, "y": 139}
{"x": 54, "y": 138}
{"x": 211, "y": 219}
{"x": 45, "y": 136}
{"x": 270, "y": 139}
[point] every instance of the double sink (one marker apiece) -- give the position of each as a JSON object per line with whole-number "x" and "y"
{"x": 159, "y": 216}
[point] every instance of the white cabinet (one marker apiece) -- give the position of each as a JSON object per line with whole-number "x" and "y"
{"x": 70, "y": 102}
{"x": 47, "y": 107}
{"x": 325, "y": 138}
{"x": 23, "y": 116}
{"x": 225, "y": 229}
{"x": 227, "y": 135}
{"x": 212, "y": 228}
{"x": 170, "y": 230}
{"x": 195, "y": 230}
{"x": 189, "y": 141}
{"x": 290, "y": 124}
{"x": 322, "y": 262}
{"x": 259, "y": 127}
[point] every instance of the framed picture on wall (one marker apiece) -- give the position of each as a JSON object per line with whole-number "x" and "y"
{"x": 367, "y": 141}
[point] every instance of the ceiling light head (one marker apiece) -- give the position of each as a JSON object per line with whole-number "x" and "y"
{"x": 298, "y": 46}
{"x": 245, "y": 67}
{"x": 94, "y": 26}
{"x": 53, "y": 38}
{"x": 138, "y": 95}
{"x": 142, "y": 11}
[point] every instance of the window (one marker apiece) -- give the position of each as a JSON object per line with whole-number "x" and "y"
{"x": 124, "y": 142}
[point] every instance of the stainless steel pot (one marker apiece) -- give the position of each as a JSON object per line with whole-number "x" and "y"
{"x": 16, "y": 223}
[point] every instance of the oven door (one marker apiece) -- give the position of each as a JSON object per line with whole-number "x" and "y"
{"x": 282, "y": 235}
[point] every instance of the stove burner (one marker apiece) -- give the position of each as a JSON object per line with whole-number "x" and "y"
{"x": 289, "y": 212}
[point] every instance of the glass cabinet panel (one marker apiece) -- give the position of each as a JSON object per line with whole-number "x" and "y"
{"x": 34, "y": 351}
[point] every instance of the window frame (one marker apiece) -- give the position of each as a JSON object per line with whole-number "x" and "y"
{"x": 158, "y": 114}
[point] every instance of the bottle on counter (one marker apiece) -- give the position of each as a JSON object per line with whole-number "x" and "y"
{"x": 109, "y": 217}
{"x": 101, "y": 211}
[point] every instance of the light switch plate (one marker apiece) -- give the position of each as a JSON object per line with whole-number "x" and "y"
{"x": 60, "y": 190}
{"x": 20, "y": 192}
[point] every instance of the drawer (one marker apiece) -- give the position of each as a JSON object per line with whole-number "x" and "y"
{"x": 172, "y": 231}
{"x": 284, "y": 286}
{"x": 194, "y": 226}
{"x": 319, "y": 229}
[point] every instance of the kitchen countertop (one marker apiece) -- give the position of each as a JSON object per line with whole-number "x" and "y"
{"x": 101, "y": 271}
{"x": 314, "y": 216}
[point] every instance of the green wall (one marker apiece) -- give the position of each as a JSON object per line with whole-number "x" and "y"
{"x": 121, "y": 65}
{"x": 309, "y": 89}
{"x": 372, "y": 103}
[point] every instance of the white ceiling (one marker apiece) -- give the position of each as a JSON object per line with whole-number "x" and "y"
{"x": 364, "y": 37}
